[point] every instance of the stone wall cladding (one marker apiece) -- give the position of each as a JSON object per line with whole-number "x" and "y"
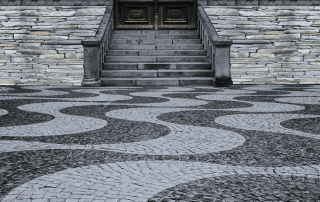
{"x": 274, "y": 44}
{"x": 35, "y": 43}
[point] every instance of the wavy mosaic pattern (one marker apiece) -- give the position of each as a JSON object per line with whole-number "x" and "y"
{"x": 207, "y": 143}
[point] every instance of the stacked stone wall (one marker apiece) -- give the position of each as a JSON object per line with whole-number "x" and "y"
{"x": 273, "y": 44}
{"x": 41, "y": 45}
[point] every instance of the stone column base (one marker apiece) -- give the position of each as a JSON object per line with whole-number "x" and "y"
{"x": 219, "y": 82}
{"x": 90, "y": 83}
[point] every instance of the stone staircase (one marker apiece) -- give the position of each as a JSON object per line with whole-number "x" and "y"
{"x": 156, "y": 57}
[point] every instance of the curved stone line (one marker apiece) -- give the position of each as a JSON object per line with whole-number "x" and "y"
{"x": 263, "y": 87}
{"x": 138, "y": 180}
{"x": 183, "y": 139}
{"x": 257, "y": 106}
{"x": 100, "y": 98}
{"x": 15, "y": 145}
{"x": 43, "y": 92}
{"x": 61, "y": 125}
{"x": 3, "y": 112}
{"x": 174, "y": 89}
{"x": 264, "y": 122}
{"x": 173, "y": 102}
{"x": 300, "y": 100}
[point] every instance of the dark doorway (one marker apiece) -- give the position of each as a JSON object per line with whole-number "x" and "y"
{"x": 155, "y": 14}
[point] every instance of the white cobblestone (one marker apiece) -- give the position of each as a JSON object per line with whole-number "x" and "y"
{"x": 165, "y": 174}
{"x": 264, "y": 122}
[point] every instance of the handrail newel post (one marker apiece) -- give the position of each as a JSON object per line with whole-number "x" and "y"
{"x": 91, "y": 66}
{"x": 95, "y": 48}
{"x": 218, "y": 50}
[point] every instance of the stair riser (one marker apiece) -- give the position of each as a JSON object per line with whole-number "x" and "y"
{"x": 155, "y": 32}
{"x": 156, "y": 47}
{"x": 120, "y": 66}
{"x": 163, "y": 36}
{"x": 131, "y": 47}
{"x": 155, "y": 41}
{"x": 180, "y": 47}
{"x": 196, "y": 82}
{"x": 155, "y": 53}
{"x": 185, "y": 74}
{"x": 154, "y": 74}
{"x": 182, "y": 59}
{"x": 140, "y": 74}
{"x": 123, "y": 53}
{"x": 154, "y": 66}
{"x": 171, "y": 82}
{"x": 156, "y": 59}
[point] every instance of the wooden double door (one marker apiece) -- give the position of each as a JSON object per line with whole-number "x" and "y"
{"x": 155, "y": 14}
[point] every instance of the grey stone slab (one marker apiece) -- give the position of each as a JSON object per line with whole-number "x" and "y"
{"x": 118, "y": 81}
{"x": 123, "y": 52}
{"x": 130, "y": 59}
{"x": 125, "y": 41}
{"x": 129, "y": 73}
{"x": 156, "y": 52}
{"x": 131, "y": 47}
{"x": 120, "y": 66}
{"x": 182, "y": 59}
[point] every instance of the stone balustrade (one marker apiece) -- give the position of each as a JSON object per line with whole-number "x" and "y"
{"x": 274, "y": 44}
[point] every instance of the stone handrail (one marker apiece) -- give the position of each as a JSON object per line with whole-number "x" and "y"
{"x": 218, "y": 49}
{"x": 94, "y": 49}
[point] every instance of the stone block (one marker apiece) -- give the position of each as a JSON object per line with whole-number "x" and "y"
{"x": 274, "y": 37}
{"x": 257, "y": 13}
{"x": 274, "y": 32}
{"x": 90, "y": 11}
{"x": 51, "y": 56}
{"x": 30, "y": 44}
{"x": 88, "y": 26}
{"x": 10, "y": 51}
{"x": 314, "y": 73}
{"x": 74, "y": 55}
{"x": 39, "y": 33}
{"x": 262, "y": 55}
{"x": 239, "y": 54}
{"x": 12, "y": 24}
{"x": 20, "y": 59}
{"x": 220, "y": 11}
{"x": 93, "y": 22}
{"x": 26, "y": 36}
{"x": 65, "y": 12}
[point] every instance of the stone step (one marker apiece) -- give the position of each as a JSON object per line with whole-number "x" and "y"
{"x": 155, "y": 41}
{"x": 156, "y": 73}
{"x": 157, "y": 59}
{"x": 182, "y": 81}
{"x": 155, "y": 36}
{"x": 156, "y": 53}
{"x": 155, "y": 66}
{"x": 155, "y": 32}
{"x": 156, "y": 47}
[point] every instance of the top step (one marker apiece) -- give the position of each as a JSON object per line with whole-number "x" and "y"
{"x": 155, "y": 32}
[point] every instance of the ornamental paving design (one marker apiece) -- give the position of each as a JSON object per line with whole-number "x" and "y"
{"x": 160, "y": 144}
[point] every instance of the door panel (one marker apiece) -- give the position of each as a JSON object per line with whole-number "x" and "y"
{"x": 153, "y": 14}
{"x": 134, "y": 15}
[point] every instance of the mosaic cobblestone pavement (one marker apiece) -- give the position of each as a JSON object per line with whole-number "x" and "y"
{"x": 160, "y": 144}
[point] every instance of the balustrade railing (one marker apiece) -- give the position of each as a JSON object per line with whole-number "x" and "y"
{"x": 95, "y": 50}
{"x": 218, "y": 49}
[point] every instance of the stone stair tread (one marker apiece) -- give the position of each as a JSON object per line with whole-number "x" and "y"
{"x": 158, "y": 78}
{"x": 164, "y": 70}
{"x": 155, "y": 36}
{"x": 156, "y": 31}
